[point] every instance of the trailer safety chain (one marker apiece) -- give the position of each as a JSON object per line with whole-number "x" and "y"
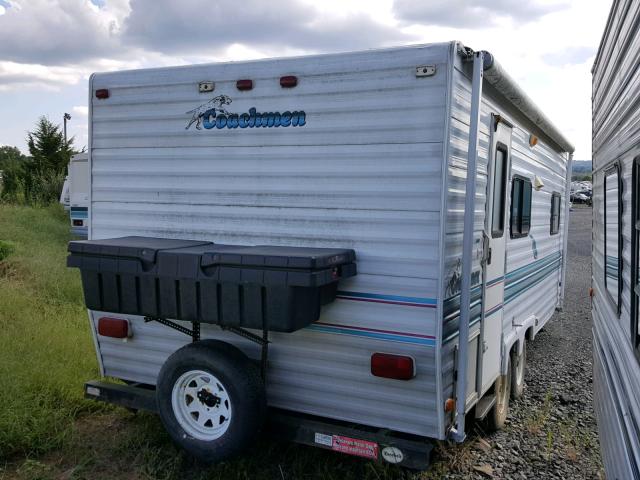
{"x": 194, "y": 333}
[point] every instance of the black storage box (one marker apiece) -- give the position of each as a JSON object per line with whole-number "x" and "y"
{"x": 228, "y": 285}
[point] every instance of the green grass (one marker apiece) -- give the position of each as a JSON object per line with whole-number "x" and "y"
{"x": 47, "y": 430}
{"x": 45, "y": 345}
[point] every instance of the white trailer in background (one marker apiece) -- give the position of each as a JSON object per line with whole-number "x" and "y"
{"x": 64, "y": 194}
{"x": 616, "y": 240}
{"x": 368, "y": 151}
{"x": 78, "y": 193}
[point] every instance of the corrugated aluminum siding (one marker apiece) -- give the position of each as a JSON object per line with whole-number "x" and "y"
{"x": 616, "y": 138}
{"x": 365, "y": 172}
{"x": 533, "y": 263}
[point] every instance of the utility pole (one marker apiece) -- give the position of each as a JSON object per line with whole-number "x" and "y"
{"x": 65, "y": 118}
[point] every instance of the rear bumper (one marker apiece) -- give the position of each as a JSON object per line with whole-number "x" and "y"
{"x": 376, "y": 444}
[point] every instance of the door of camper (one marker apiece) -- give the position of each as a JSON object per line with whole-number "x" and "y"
{"x": 494, "y": 253}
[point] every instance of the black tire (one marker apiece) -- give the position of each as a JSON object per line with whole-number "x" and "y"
{"x": 519, "y": 365}
{"x": 502, "y": 390}
{"x": 240, "y": 380}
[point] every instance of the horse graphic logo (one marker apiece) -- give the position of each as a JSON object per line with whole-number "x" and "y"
{"x": 212, "y": 107}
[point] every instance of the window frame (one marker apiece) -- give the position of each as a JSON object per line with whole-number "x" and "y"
{"x": 555, "y": 195}
{"x": 615, "y": 168}
{"x": 635, "y": 256}
{"x": 519, "y": 233}
{"x": 499, "y": 233}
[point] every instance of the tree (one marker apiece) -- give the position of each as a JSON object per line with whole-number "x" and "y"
{"x": 44, "y": 172}
{"x": 10, "y": 154}
{"x": 11, "y": 165}
{"x": 48, "y": 148}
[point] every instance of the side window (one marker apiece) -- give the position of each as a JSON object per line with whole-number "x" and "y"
{"x": 555, "y": 213}
{"x": 635, "y": 255}
{"x": 520, "y": 207}
{"x": 612, "y": 246}
{"x": 499, "y": 178}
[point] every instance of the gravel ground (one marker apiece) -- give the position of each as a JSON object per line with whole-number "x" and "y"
{"x": 551, "y": 432}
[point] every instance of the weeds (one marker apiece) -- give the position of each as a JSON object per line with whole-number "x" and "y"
{"x": 48, "y": 431}
{"x": 45, "y": 348}
{"x": 535, "y": 423}
{"x": 6, "y": 249}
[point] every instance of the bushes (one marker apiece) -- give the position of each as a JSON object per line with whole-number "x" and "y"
{"x": 6, "y": 249}
{"x": 37, "y": 179}
{"x": 42, "y": 188}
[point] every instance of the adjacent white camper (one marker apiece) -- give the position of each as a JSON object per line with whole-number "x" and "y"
{"x": 616, "y": 240}
{"x": 78, "y": 194}
{"x": 64, "y": 194}
{"x": 368, "y": 152}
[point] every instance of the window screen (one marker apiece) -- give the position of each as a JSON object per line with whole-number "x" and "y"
{"x": 612, "y": 245}
{"x": 555, "y": 213}
{"x": 635, "y": 257}
{"x": 499, "y": 176}
{"x": 520, "y": 207}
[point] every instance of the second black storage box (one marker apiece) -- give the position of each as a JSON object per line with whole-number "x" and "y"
{"x": 198, "y": 281}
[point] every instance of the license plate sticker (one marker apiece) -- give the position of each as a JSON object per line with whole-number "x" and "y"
{"x": 354, "y": 446}
{"x": 323, "y": 439}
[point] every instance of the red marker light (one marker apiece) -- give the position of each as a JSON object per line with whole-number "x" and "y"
{"x": 398, "y": 367}
{"x": 102, "y": 93}
{"x": 288, "y": 81}
{"x": 113, "y": 327}
{"x": 244, "y": 84}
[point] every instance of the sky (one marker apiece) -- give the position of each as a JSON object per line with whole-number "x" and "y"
{"x": 49, "y": 48}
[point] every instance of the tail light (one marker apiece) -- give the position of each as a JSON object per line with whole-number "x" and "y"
{"x": 387, "y": 365}
{"x": 102, "y": 93}
{"x": 288, "y": 81}
{"x": 114, "y": 327}
{"x": 77, "y": 223}
{"x": 244, "y": 84}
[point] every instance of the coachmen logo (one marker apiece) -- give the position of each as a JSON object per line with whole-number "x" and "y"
{"x": 392, "y": 454}
{"x": 214, "y": 114}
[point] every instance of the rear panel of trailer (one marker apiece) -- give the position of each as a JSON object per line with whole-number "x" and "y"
{"x": 365, "y": 172}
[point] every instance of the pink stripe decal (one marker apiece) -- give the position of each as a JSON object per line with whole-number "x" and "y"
{"x": 390, "y": 302}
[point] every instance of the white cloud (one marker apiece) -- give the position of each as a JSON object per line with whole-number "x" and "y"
{"x": 81, "y": 110}
{"x": 21, "y": 75}
{"x": 547, "y": 45}
{"x": 474, "y": 13}
{"x": 58, "y": 32}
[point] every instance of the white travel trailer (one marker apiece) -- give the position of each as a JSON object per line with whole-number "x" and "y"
{"x": 362, "y": 152}
{"x": 78, "y": 194}
{"x": 616, "y": 240}
{"x": 64, "y": 194}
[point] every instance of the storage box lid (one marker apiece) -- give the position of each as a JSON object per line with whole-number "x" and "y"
{"x": 277, "y": 257}
{"x": 142, "y": 248}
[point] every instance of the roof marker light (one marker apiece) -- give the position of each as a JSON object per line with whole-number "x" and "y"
{"x": 102, "y": 93}
{"x": 288, "y": 81}
{"x": 244, "y": 84}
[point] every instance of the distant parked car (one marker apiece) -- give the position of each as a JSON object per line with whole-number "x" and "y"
{"x": 583, "y": 196}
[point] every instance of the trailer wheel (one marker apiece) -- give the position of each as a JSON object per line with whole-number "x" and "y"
{"x": 211, "y": 399}
{"x": 498, "y": 414}
{"x": 519, "y": 363}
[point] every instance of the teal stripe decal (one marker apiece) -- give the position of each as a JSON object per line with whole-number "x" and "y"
{"x": 393, "y": 337}
{"x": 517, "y": 282}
